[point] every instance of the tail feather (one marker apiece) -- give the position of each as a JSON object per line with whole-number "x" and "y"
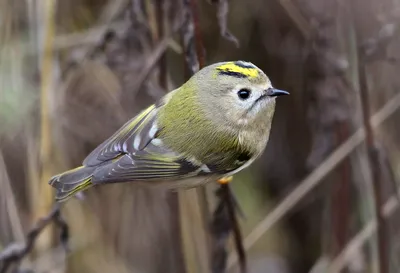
{"x": 71, "y": 182}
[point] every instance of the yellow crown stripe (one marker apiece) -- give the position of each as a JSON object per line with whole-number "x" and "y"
{"x": 232, "y": 67}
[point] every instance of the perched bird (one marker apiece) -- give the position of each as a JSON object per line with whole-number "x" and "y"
{"x": 211, "y": 127}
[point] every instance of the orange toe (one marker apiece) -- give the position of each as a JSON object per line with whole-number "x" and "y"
{"x": 225, "y": 180}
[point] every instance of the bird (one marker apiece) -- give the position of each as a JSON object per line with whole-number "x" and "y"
{"x": 213, "y": 126}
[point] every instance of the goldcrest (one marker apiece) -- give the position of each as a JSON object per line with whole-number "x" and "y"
{"x": 210, "y": 128}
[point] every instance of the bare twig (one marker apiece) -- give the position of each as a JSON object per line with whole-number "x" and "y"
{"x": 362, "y": 237}
{"x": 375, "y": 48}
{"x": 316, "y": 176}
{"x": 222, "y": 14}
{"x": 15, "y": 252}
{"x": 220, "y": 231}
{"x": 193, "y": 48}
{"x": 374, "y": 164}
{"x": 224, "y": 222}
{"x": 111, "y": 10}
{"x": 108, "y": 14}
{"x": 341, "y": 196}
{"x": 231, "y": 206}
{"x": 10, "y": 201}
{"x": 197, "y": 33}
{"x": 373, "y": 155}
{"x": 160, "y": 14}
{"x": 154, "y": 58}
{"x": 329, "y": 116}
{"x": 298, "y": 19}
{"x": 48, "y": 79}
{"x": 89, "y": 37}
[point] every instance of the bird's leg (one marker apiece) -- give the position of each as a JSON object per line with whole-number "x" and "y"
{"x": 225, "y": 180}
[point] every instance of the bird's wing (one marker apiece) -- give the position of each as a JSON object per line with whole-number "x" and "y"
{"x": 135, "y": 153}
{"x": 122, "y": 141}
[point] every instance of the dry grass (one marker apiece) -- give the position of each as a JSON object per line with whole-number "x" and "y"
{"x": 71, "y": 73}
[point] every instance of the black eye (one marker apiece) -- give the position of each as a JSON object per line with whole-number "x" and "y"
{"x": 244, "y": 94}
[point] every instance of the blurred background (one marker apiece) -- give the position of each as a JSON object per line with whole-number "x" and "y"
{"x": 72, "y": 72}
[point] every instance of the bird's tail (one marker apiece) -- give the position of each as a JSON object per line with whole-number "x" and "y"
{"x": 71, "y": 182}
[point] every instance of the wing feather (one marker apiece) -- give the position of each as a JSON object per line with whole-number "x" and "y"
{"x": 129, "y": 168}
{"x": 117, "y": 144}
{"x": 134, "y": 153}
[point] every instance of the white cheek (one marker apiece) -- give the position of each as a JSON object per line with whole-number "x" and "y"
{"x": 260, "y": 106}
{"x": 268, "y": 101}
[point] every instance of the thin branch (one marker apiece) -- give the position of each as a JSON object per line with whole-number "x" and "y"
{"x": 105, "y": 30}
{"x": 224, "y": 222}
{"x": 222, "y": 14}
{"x": 298, "y": 19}
{"x": 111, "y": 10}
{"x": 362, "y": 237}
{"x": 230, "y": 204}
{"x": 220, "y": 231}
{"x": 15, "y": 252}
{"x": 375, "y": 48}
{"x": 161, "y": 15}
{"x": 197, "y": 33}
{"x": 48, "y": 80}
{"x": 154, "y": 58}
{"x": 10, "y": 201}
{"x": 374, "y": 164}
{"x": 316, "y": 176}
{"x": 191, "y": 64}
{"x": 90, "y": 37}
{"x": 341, "y": 196}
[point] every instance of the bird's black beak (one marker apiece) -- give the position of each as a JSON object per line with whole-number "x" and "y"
{"x": 272, "y": 92}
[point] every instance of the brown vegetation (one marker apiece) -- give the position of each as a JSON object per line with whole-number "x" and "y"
{"x": 323, "y": 198}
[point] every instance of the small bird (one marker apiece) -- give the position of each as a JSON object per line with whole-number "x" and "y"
{"x": 213, "y": 126}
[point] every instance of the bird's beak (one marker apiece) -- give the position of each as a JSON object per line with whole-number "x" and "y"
{"x": 272, "y": 92}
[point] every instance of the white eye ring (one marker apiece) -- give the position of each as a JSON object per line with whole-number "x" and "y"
{"x": 244, "y": 93}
